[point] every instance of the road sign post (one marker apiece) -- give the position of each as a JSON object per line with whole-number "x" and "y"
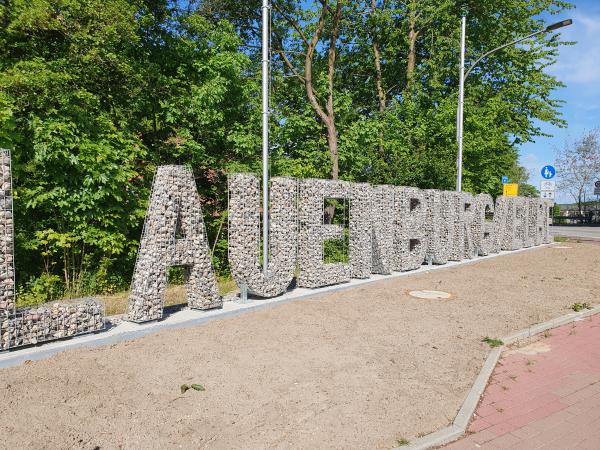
{"x": 597, "y": 194}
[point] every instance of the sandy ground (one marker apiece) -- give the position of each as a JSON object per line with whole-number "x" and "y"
{"x": 362, "y": 368}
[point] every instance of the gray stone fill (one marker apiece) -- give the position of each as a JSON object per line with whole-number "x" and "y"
{"x": 245, "y": 233}
{"x": 174, "y": 235}
{"x": 35, "y": 325}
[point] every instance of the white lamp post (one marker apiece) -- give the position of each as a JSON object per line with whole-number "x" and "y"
{"x": 463, "y": 76}
{"x": 265, "y": 130}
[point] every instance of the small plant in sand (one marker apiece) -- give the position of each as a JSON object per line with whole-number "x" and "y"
{"x": 403, "y": 441}
{"x": 547, "y": 334}
{"x": 492, "y": 342}
{"x": 580, "y": 306}
{"x": 197, "y": 387}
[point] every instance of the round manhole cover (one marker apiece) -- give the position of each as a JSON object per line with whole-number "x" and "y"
{"x": 430, "y": 295}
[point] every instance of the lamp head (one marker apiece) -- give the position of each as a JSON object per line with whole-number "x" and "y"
{"x": 557, "y": 25}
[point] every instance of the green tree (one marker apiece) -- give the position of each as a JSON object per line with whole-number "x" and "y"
{"x": 93, "y": 95}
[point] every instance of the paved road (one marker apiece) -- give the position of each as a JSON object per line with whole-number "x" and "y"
{"x": 576, "y": 231}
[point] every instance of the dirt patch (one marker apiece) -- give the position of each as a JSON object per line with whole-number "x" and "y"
{"x": 355, "y": 369}
{"x": 534, "y": 348}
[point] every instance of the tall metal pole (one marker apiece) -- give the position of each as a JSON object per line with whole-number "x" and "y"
{"x": 464, "y": 75}
{"x": 461, "y": 98}
{"x": 265, "y": 130}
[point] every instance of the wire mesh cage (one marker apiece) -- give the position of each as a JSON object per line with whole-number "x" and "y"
{"x": 7, "y": 278}
{"x": 28, "y": 326}
{"x": 52, "y": 321}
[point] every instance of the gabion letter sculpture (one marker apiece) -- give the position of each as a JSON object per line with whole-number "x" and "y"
{"x": 523, "y": 237}
{"x": 545, "y": 221}
{"x": 174, "y": 235}
{"x": 501, "y": 211}
{"x": 483, "y": 234}
{"x": 28, "y": 326}
{"x": 471, "y": 225}
{"x": 382, "y": 228}
{"x": 361, "y": 246}
{"x": 313, "y": 233}
{"x": 512, "y": 240}
{"x": 7, "y": 263}
{"x": 457, "y": 244}
{"x": 439, "y": 225}
{"x": 465, "y": 226}
{"x": 244, "y": 234}
{"x": 410, "y": 245}
{"x": 371, "y": 229}
{"x": 539, "y": 221}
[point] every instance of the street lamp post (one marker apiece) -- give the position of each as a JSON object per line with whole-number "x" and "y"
{"x": 265, "y": 130}
{"x": 463, "y": 76}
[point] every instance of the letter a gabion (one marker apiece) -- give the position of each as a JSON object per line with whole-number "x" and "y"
{"x": 174, "y": 235}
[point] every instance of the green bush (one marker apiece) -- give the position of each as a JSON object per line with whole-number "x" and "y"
{"x": 45, "y": 288}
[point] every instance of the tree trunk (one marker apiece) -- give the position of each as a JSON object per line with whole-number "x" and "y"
{"x": 325, "y": 114}
{"x": 412, "y": 44}
{"x": 381, "y": 95}
{"x": 332, "y": 137}
{"x": 332, "y": 142}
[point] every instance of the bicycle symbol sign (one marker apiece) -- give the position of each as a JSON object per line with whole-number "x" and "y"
{"x": 548, "y": 172}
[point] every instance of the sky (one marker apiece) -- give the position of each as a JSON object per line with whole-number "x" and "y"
{"x": 578, "y": 67}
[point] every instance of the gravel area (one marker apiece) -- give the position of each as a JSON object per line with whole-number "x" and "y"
{"x": 361, "y": 368}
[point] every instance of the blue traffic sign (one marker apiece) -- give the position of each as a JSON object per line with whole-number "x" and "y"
{"x": 504, "y": 179}
{"x": 548, "y": 172}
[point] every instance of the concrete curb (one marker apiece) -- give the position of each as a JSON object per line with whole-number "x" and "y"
{"x": 127, "y": 331}
{"x": 461, "y": 422}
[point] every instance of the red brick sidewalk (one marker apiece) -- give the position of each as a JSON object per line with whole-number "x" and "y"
{"x": 544, "y": 395}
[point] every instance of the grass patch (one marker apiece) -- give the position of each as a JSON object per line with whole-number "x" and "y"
{"x": 175, "y": 295}
{"x": 492, "y": 342}
{"x": 561, "y": 239}
{"x": 580, "y": 306}
{"x": 402, "y": 442}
